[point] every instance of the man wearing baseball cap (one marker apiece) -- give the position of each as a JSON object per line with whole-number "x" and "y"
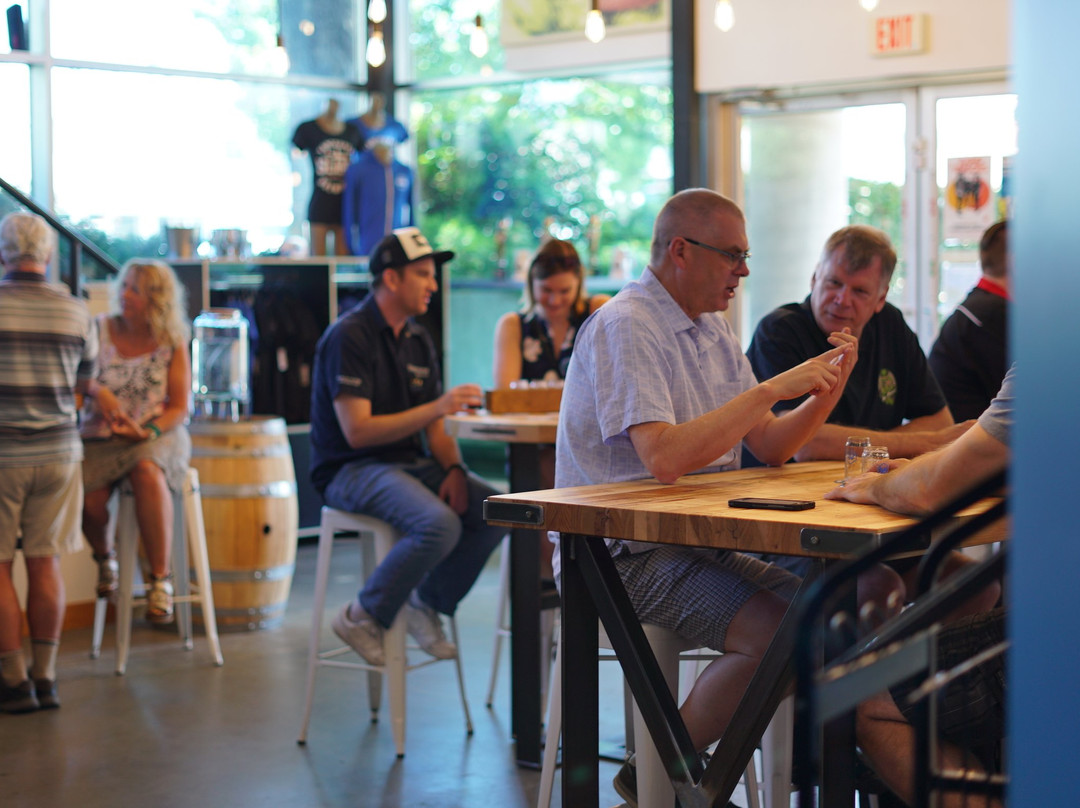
{"x": 378, "y": 447}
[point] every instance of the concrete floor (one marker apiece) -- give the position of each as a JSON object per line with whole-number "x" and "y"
{"x": 178, "y": 731}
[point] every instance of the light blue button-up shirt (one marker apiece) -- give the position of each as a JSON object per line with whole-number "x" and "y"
{"x": 639, "y": 359}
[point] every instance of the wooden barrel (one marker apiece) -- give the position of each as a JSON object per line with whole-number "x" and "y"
{"x": 248, "y": 488}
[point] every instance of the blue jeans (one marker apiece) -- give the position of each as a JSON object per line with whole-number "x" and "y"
{"x": 440, "y": 554}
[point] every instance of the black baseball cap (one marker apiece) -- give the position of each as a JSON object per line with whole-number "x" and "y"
{"x": 401, "y": 247}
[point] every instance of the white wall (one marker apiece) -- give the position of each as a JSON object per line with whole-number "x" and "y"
{"x": 788, "y": 43}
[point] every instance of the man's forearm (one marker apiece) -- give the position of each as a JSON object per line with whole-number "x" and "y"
{"x": 828, "y": 442}
{"x": 378, "y": 430}
{"x": 443, "y": 447}
{"x": 788, "y": 434}
{"x": 670, "y": 451}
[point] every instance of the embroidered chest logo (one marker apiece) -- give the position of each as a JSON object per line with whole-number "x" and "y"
{"x": 886, "y": 387}
{"x": 417, "y": 375}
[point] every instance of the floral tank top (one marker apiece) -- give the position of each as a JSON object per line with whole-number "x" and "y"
{"x": 539, "y": 359}
{"x": 141, "y": 383}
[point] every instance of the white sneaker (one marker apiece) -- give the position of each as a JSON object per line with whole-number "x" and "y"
{"x": 364, "y": 636}
{"x": 425, "y": 626}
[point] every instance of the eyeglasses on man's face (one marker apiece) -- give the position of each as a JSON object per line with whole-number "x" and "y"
{"x": 737, "y": 258}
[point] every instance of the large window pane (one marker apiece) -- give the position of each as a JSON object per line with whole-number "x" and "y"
{"x": 15, "y": 139}
{"x": 136, "y": 153}
{"x": 440, "y": 37}
{"x": 587, "y": 160}
{"x": 220, "y": 36}
{"x": 806, "y": 174}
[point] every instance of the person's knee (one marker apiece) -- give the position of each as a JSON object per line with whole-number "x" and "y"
{"x": 95, "y": 513}
{"x": 147, "y": 472}
{"x": 438, "y": 527}
{"x": 753, "y": 627}
{"x": 881, "y": 594}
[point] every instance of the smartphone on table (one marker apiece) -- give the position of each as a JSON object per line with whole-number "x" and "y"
{"x": 771, "y": 504}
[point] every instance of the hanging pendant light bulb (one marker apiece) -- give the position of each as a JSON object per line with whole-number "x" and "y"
{"x": 376, "y": 48}
{"x": 376, "y": 10}
{"x": 595, "y": 30}
{"x": 724, "y": 15}
{"x": 478, "y": 39}
{"x": 869, "y": 5}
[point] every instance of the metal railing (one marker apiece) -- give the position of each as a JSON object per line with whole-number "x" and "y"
{"x": 71, "y": 273}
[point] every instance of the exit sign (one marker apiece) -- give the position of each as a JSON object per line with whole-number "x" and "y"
{"x": 900, "y": 35}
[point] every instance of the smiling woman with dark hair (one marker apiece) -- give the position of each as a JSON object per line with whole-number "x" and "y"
{"x": 536, "y": 343}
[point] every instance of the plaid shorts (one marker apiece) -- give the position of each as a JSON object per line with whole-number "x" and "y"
{"x": 697, "y": 592}
{"x": 971, "y": 708}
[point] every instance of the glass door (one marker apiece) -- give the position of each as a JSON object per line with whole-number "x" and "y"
{"x": 810, "y": 167}
{"x": 971, "y": 134}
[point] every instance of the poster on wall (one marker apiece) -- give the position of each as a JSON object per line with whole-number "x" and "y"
{"x": 1005, "y": 197}
{"x": 969, "y": 207}
{"x": 543, "y": 36}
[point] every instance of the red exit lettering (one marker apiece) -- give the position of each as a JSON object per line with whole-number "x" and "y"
{"x": 899, "y": 34}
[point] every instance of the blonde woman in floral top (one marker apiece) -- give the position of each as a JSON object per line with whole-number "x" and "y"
{"x": 144, "y": 361}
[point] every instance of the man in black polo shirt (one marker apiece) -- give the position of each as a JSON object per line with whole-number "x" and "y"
{"x": 968, "y": 357}
{"x": 891, "y": 396}
{"x": 379, "y": 448}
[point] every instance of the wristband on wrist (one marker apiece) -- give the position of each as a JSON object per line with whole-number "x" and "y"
{"x": 155, "y": 429}
{"x": 453, "y": 466}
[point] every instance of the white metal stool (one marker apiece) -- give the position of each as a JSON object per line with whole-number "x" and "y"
{"x": 189, "y": 535}
{"x": 377, "y": 537}
{"x": 654, "y": 789}
{"x": 548, "y": 626}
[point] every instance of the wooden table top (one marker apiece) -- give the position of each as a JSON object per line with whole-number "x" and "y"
{"x": 694, "y": 512}
{"x": 507, "y": 427}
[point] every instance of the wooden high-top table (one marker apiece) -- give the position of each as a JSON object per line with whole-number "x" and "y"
{"x": 524, "y": 434}
{"x": 694, "y": 513}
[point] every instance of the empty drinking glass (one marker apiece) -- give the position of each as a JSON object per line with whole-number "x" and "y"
{"x": 853, "y": 455}
{"x": 874, "y": 458}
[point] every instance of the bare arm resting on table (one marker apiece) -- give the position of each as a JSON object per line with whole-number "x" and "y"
{"x": 921, "y": 485}
{"x": 672, "y": 450}
{"x": 918, "y": 436}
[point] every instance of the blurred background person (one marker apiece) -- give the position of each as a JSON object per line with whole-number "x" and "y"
{"x": 535, "y": 343}
{"x": 144, "y": 362}
{"x": 969, "y": 355}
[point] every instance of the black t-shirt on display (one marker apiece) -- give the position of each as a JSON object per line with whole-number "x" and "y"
{"x": 359, "y": 355}
{"x": 891, "y": 382}
{"x": 331, "y": 155}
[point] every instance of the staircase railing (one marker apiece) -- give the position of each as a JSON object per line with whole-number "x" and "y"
{"x": 71, "y": 274}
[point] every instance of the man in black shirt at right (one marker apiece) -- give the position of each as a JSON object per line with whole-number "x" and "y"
{"x": 969, "y": 357}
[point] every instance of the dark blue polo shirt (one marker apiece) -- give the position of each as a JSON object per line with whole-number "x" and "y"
{"x": 359, "y": 356}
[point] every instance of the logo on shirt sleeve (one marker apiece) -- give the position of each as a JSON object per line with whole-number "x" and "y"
{"x": 350, "y": 381}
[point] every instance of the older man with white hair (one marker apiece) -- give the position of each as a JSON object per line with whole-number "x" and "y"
{"x": 48, "y": 349}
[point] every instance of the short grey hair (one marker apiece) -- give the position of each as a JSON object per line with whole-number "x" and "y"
{"x": 26, "y": 237}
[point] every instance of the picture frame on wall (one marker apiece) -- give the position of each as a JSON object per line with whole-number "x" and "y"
{"x": 542, "y": 36}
